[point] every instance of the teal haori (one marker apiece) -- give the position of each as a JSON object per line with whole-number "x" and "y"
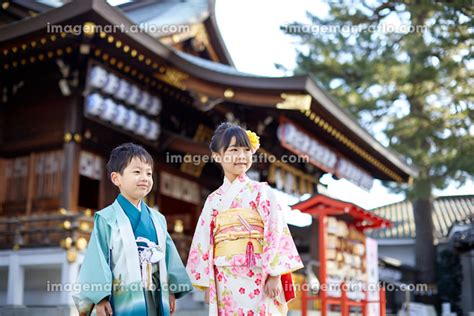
{"x": 132, "y": 261}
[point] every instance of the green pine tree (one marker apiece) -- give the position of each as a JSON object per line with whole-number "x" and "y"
{"x": 413, "y": 86}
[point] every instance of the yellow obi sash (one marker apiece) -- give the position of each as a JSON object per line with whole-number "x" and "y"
{"x": 230, "y": 235}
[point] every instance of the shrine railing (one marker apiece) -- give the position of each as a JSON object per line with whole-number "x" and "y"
{"x": 47, "y": 230}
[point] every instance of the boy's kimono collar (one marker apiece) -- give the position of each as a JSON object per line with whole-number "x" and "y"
{"x": 142, "y": 224}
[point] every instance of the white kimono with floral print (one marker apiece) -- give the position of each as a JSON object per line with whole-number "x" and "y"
{"x": 234, "y": 287}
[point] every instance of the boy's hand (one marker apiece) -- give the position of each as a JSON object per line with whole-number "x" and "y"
{"x": 172, "y": 304}
{"x": 206, "y": 296}
{"x": 271, "y": 288}
{"x": 103, "y": 308}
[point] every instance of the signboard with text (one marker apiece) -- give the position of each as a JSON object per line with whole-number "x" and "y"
{"x": 296, "y": 140}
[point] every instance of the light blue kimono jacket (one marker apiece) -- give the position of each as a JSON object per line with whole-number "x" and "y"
{"x": 111, "y": 266}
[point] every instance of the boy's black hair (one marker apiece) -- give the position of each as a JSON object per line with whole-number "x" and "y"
{"x": 223, "y": 135}
{"x": 122, "y": 155}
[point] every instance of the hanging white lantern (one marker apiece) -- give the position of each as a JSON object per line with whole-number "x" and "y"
{"x": 131, "y": 121}
{"x": 134, "y": 96}
{"x": 154, "y": 106}
{"x": 121, "y": 115}
{"x": 94, "y": 104}
{"x": 111, "y": 85}
{"x": 123, "y": 90}
{"x": 97, "y": 77}
{"x": 109, "y": 111}
{"x": 143, "y": 103}
{"x": 153, "y": 131}
{"x": 142, "y": 125}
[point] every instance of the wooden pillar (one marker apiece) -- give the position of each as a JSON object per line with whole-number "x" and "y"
{"x": 383, "y": 301}
{"x": 73, "y": 130}
{"x": 304, "y": 302}
{"x": 3, "y": 184}
{"x": 322, "y": 262}
{"x": 314, "y": 242}
{"x": 71, "y": 150}
{"x": 107, "y": 190}
{"x": 314, "y": 251}
{"x": 344, "y": 302}
{"x": 31, "y": 183}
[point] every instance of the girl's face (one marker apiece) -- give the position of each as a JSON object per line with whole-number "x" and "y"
{"x": 234, "y": 160}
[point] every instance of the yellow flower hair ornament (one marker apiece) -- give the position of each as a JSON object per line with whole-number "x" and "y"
{"x": 254, "y": 140}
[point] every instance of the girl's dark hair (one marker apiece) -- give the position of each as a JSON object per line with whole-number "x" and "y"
{"x": 223, "y": 135}
{"x": 121, "y": 156}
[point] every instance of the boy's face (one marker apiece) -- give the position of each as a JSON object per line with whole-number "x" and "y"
{"x": 136, "y": 180}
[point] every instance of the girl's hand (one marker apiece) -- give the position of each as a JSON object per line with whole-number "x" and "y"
{"x": 271, "y": 287}
{"x": 206, "y": 296}
{"x": 103, "y": 308}
{"x": 172, "y": 304}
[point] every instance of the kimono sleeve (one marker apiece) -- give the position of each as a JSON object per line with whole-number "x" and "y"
{"x": 280, "y": 255}
{"x": 178, "y": 280}
{"x": 200, "y": 251}
{"x": 94, "y": 282}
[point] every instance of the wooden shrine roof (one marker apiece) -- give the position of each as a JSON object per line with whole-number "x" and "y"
{"x": 321, "y": 204}
{"x": 203, "y": 79}
{"x": 152, "y": 13}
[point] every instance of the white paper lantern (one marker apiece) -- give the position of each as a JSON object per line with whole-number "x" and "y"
{"x": 143, "y": 103}
{"x": 123, "y": 90}
{"x": 153, "y": 131}
{"x": 110, "y": 109}
{"x": 131, "y": 121}
{"x": 97, "y": 77}
{"x": 112, "y": 84}
{"x": 134, "y": 96}
{"x": 94, "y": 104}
{"x": 154, "y": 106}
{"x": 142, "y": 125}
{"x": 121, "y": 115}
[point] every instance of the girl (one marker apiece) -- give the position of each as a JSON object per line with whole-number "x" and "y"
{"x": 242, "y": 251}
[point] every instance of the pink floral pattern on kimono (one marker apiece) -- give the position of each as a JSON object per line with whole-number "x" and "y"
{"x": 234, "y": 287}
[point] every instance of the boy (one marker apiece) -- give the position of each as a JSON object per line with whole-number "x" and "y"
{"x": 131, "y": 266}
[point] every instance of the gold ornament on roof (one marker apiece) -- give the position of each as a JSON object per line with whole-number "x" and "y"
{"x": 294, "y": 102}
